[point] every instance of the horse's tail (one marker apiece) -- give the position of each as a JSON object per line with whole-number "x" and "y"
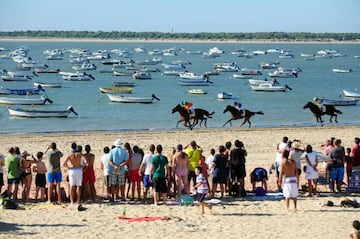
{"x": 338, "y": 111}
{"x": 209, "y": 115}
{"x": 259, "y": 113}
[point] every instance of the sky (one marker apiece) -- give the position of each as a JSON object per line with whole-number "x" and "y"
{"x": 190, "y": 16}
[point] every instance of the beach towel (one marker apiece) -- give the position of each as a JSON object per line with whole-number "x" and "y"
{"x": 143, "y": 219}
{"x": 269, "y": 196}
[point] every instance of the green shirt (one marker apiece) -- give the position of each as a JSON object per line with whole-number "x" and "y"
{"x": 12, "y": 165}
{"x": 159, "y": 162}
{"x": 53, "y": 161}
{"x": 194, "y": 158}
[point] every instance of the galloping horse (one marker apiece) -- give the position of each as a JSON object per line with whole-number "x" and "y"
{"x": 317, "y": 112}
{"x": 200, "y": 115}
{"x": 239, "y": 114}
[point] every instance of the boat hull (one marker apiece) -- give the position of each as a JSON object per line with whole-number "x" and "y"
{"x": 38, "y": 113}
{"x": 126, "y": 99}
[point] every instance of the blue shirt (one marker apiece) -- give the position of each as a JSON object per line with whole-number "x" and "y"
{"x": 117, "y": 156}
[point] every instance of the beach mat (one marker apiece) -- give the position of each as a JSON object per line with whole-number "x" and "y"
{"x": 270, "y": 196}
{"x": 142, "y": 219}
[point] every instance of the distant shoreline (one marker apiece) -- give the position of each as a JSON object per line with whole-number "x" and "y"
{"x": 136, "y": 40}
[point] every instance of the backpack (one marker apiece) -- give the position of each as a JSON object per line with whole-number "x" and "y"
{"x": 9, "y": 204}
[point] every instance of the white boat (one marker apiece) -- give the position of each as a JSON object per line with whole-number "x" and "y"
{"x": 191, "y": 76}
{"x": 224, "y": 95}
{"x": 283, "y": 74}
{"x": 196, "y": 91}
{"x": 78, "y": 76}
{"x": 132, "y": 99}
{"x": 113, "y": 90}
{"x": 173, "y": 66}
{"x": 142, "y": 76}
{"x": 268, "y": 87}
{"x": 187, "y": 82}
{"x": 54, "y": 57}
{"x": 245, "y": 71}
{"x": 354, "y": 94}
{"x": 342, "y": 70}
{"x": 226, "y": 67}
{"x": 46, "y": 85}
{"x": 32, "y": 113}
{"x": 84, "y": 67}
{"x": 241, "y": 76}
{"x": 172, "y": 73}
{"x": 25, "y": 91}
{"x": 123, "y": 83}
{"x": 258, "y": 82}
{"x": 15, "y": 78}
{"x": 269, "y": 65}
{"x": 24, "y": 101}
{"x": 339, "y": 102}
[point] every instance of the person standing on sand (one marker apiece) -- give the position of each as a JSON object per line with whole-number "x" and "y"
{"x": 280, "y": 148}
{"x": 145, "y": 169}
{"x": 202, "y": 189}
{"x": 89, "y": 175}
{"x": 40, "y": 179}
{"x": 54, "y": 175}
{"x": 337, "y": 156}
{"x": 180, "y": 168}
{"x": 193, "y": 152}
{"x": 311, "y": 170}
{"x": 118, "y": 159}
{"x": 105, "y": 167}
{"x": 12, "y": 166}
{"x": 158, "y": 173}
{"x": 355, "y": 153}
{"x": 78, "y": 162}
{"x": 289, "y": 176}
{"x": 135, "y": 178}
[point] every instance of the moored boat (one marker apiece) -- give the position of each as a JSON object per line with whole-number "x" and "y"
{"x": 338, "y": 102}
{"x": 123, "y": 83}
{"x": 24, "y": 101}
{"x": 354, "y": 94}
{"x": 187, "y": 82}
{"x": 342, "y": 70}
{"x": 46, "y": 85}
{"x": 32, "y": 113}
{"x": 112, "y": 90}
{"x": 142, "y": 76}
{"x": 224, "y": 95}
{"x": 197, "y": 91}
{"x": 132, "y": 99}
{"x": 28, "y": 91}
{"x": 269, "y": 87}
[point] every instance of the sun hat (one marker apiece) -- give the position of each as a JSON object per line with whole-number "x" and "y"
{"x": 296, "y": 144}
{"x": 118, "y": 143}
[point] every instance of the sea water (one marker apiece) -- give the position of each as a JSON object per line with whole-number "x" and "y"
{"x": 97, "y": 113}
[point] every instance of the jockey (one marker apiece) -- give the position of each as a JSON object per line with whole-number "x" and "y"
{"x": 320, "y": 104}
{"x": 237, "y": 105}
{"x": 188, "y": 106}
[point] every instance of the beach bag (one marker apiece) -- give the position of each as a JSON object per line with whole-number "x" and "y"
{"x": 349, "y": 202}
{"x": 9, "y": 204}
{"x": 186, "y": 200}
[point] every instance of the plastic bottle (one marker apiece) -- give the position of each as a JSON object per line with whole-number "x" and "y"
{"x": 123, "y": 214}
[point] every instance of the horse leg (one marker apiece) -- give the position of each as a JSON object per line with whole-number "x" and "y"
{"x": 336, "y": 119}
{"x": 243, "y": 123}
{"x": 229, "y": 121}
{"x": 205, "y": 120}
{"x": 331, "y": 118}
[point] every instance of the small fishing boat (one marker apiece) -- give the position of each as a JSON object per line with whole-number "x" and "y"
{"x": 258, "y": 82}
{"x": 46, "y": 70}
{"x": 354, "y": 94}
{"x": 269, "y": 87}
{"x": 132, "y": 99}
{"x": 142, "y": 76}
{"x": 30, "y": 91}
{"x": 24, "y": 101}
{"x": 339, "y": 102}
{"x": 46, "y": 85}
{"x": 123, "y": 84}
{"x": 240, "y": 76}
{"x": 15, "y": 78}
{"x": 224, "y": 95}
{"x": 32, "y": 113}
{"x": 197, "y": 91}
{"x": 112, "y": 90}
{"x": 119, "y": 73}
{"x": 342, "y": 70}
{"x": 187, "y": 82}
{"x": 192, "y": 76}
{"x": 78, "y": 77}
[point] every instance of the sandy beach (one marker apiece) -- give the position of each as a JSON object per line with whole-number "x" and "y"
{"x": 233, "y": 218}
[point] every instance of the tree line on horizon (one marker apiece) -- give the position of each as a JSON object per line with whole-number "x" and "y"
{"x": 284, "y": 36}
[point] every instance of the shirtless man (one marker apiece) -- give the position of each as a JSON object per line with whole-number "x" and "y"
{"x": 77, "y": 162}
{"x": 288, "y": 172}
{"x": 180, "y": 168}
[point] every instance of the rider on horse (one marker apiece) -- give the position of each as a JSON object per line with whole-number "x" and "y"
{"x": 237, "y": 105}
{"x": 320, "y": 104}
{"x": 188, "y": 106}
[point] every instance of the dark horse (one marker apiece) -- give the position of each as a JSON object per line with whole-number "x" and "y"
{"x": 317, "y": 112}
{"x": 200, "y": 115}
{"x": 239, "y": 114}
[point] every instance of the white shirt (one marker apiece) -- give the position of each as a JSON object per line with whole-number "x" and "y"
{"x": 281, "y": 146}
{"x": 105, "y": 162}
{"x": 147, "y": 161}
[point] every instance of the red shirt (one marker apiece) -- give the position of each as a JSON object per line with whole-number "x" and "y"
{"x": 355, "y": 151}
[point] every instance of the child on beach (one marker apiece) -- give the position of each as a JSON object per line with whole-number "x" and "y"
{"x": 40, "y": 179}
{"x": 355, "y": 232}
{"x": 202, "y": 189}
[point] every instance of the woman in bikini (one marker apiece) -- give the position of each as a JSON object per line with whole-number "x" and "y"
{"x": 26, "y": 177}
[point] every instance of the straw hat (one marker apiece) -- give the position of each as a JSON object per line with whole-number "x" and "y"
{"x": 118, "y": 143}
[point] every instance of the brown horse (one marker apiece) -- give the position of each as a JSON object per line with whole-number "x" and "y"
{"x": 239, "y": 114}
{"x": 317, "y": 112}
{"x": 200, "y": 116}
